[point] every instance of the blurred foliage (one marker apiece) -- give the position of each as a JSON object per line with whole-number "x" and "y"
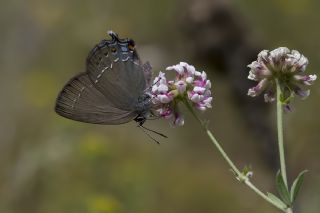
{"x": 50, "y": 164}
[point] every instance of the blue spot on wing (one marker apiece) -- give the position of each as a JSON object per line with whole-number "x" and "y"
{"x": 124, "y": 49}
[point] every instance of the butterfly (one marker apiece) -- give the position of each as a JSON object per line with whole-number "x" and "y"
{"x": 112, "y": 90}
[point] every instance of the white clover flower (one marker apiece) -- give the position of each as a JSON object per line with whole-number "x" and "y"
{"x": 189, "y": 85}
{"x": 179, "y": 120}
{"x": 181, "y": 86}
{"x": 286, "y": 66}
{"x": 160, "y": 90}
{"x": 183, "y": 69}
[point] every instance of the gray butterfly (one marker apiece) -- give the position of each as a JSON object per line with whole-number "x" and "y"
{"x": 112, "y": 90}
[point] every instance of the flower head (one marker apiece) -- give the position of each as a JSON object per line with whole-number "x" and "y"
{"x": 189, "y": 86}
{"x": 160, "y": 90}
{"x": 288, "y": 67}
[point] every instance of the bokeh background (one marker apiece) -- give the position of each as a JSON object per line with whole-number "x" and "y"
{"x": 49, "y": 164}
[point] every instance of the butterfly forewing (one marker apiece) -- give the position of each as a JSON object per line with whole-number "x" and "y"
{"x": 79, "y": 100}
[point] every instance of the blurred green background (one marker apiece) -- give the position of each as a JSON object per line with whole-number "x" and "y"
{"x": 49, "y": 164}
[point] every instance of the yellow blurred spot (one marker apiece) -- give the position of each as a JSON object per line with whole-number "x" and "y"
{"x": 94, "y": 144}
{"x": 294, "y": 7}
{"x": 40, "y": 89}
{"x": 103, "y": 204}
{"x": 47, "y": 13}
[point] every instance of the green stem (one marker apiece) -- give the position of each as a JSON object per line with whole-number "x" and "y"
{"x": 280, "y": 135}
{"x": 289, "y": 210}
{"x": 224, "y": 155}
{"x": 264, "y": 196}
{"x": 280, "y": 138}
{"x": 240, "y": 176}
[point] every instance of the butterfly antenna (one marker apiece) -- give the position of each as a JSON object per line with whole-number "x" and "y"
{"x": 150, "y": 87}
{"x": 155, "y": 82}
{"x": 145, "y": 132}
{"x": 153, "y": 117}
{"x": 158, "y": 133}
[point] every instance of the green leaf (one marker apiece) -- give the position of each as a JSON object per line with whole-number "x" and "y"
{"x": 295, "y": 188}
{"x": 282, "y": 189}
{"x": 277, "y": 200}
{"x": 287, "y": 94}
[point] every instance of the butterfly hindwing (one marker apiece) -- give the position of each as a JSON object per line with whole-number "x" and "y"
{"x": 147, "y": 73}
{"x": 115, "y": 70}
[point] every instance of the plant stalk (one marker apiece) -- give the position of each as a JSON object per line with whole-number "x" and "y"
{"x": 280, "y": 138}
{"x": 240, "y": 176}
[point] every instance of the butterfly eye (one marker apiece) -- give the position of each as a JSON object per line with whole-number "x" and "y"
{"x": 113, "y": 49}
